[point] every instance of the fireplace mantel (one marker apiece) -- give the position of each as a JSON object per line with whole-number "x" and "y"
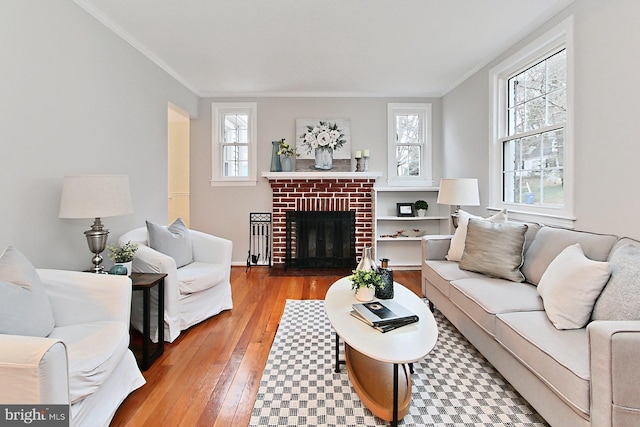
{"x": 320, "y": 175}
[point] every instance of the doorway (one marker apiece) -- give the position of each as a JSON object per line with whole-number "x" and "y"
{"x": 178, "y": 165}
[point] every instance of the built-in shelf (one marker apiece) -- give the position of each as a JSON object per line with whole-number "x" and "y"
{"x": 407, "y": 189}
{"x": 410, "y": 218}
{"x": 405, "y": 251}
{"x": 398, "y": 239}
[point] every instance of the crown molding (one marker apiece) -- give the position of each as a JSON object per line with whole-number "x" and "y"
{"x": 135, "y": 43}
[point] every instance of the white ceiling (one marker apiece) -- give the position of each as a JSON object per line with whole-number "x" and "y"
{"x": 321, "y": 47}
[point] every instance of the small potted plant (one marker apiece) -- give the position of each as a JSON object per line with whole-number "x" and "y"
{"x": 365, "y": 282}
{"x": 122, "y": 256}
{"x": 286, "y": 151}
{"x": 421, "y": 207}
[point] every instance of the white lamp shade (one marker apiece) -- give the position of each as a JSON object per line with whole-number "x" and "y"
{"x": 459, "y": 191}
{"x": 95, "y": 196}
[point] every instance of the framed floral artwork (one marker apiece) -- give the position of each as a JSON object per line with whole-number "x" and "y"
{"x": 323, "y": 144}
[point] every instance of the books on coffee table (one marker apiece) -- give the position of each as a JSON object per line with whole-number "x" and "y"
{"x": 383, "y": 315}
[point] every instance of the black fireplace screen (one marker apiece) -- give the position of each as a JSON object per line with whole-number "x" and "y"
{"x": 321, "y": 239}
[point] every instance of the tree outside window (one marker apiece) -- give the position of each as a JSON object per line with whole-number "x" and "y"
{"x": 409, "y": 154}
{"x": 234, "y": 148}
{"x": 533, "y": 149}
{"x": 236, "y": 145}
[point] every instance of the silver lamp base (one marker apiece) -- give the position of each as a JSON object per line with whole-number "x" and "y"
{"x": 454, "y": 217}
{"x": 97, "y": 240}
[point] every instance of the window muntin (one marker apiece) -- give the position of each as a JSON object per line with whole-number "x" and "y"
{"x": 235, "y": 142}
{"x": 235, "y": 161}
{"x": 409, "y": 143}
{"x": 533, "y": 149}
{"x": 234, "y": 148}
{"x": 409, "y": 153}
{"x": 533, "y": 169}
{"x": 537, "y": 96}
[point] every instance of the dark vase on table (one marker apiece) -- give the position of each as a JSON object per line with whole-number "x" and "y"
{"x": 386, "y": 273}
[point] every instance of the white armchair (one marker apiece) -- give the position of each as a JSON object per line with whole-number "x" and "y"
{"x": 85, "y": 361}
{"x": 193, "y": 292}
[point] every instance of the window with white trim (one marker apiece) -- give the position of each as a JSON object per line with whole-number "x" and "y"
{"x": 409, "y": 144}
{"x": 531, "y": 150}
{"x": 234, "y": 149}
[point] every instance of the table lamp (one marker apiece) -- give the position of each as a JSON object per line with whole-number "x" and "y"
{"x": 458, "y": 191}
{"x": 95, "y": 196}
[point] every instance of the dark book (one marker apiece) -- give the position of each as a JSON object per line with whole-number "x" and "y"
{"x": 395, "y": 325}
{"x": 386, "y": 327}
{"x": 379, "y": 313}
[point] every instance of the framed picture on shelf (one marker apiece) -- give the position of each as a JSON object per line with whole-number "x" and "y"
{"x": 405, "y": 209}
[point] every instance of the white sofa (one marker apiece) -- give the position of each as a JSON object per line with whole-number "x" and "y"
{"x": 192, "y": 293}
{"x": 85, "y": 361}
{"x": 580, "y": 377}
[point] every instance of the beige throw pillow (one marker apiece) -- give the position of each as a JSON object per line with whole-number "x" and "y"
{"x": 456, "y": 248}
{"x": 570, "y": 286}
{"x": 494, "y": 249}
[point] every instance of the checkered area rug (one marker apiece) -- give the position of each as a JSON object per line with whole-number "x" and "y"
{"x": 453, "y": 386}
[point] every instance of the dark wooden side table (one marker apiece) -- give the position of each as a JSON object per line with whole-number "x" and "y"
{"x": 145, "y": 282}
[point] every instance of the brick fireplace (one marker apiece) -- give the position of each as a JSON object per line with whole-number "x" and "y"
{"x": 321, "y": 191}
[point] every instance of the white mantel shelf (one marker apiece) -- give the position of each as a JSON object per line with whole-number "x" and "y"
{"x": 272, "y": 176}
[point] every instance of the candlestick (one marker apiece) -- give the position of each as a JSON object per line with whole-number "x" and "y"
{"x": 366, "y": 162}
{"x": 358, "y": 165}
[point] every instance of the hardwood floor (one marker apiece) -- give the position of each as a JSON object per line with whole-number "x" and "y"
{"x": 211, "y": 374}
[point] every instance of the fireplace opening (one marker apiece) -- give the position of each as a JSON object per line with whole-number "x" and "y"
{"x": 320, "y": 239}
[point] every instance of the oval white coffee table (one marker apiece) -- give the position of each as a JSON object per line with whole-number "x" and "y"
{"x": 372, "y": 355}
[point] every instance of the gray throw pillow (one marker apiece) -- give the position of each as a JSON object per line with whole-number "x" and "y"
{"x": 173, "y": 241}
{"x": 620, "y": 299}
{"x": 494, "y": 249}
{"x": 24, "y": 304}
{"x": 456, "y": 247}
{"x": 550, "y": 241}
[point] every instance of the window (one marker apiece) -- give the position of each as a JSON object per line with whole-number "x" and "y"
{"x": 531, "y": 164}
{"x": 234, "y": 145}
{"x": 409, "y": 144}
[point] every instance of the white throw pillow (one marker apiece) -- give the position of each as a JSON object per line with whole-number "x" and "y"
{"x": 24, "y": 304}
{"x": 456, "y": 249}
{"x": 570, "y": 286}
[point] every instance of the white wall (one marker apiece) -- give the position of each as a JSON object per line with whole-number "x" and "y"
{"x": 607, "y": 128}
{"x": 76, "y": 99}
{"x": 224, "y": 211}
